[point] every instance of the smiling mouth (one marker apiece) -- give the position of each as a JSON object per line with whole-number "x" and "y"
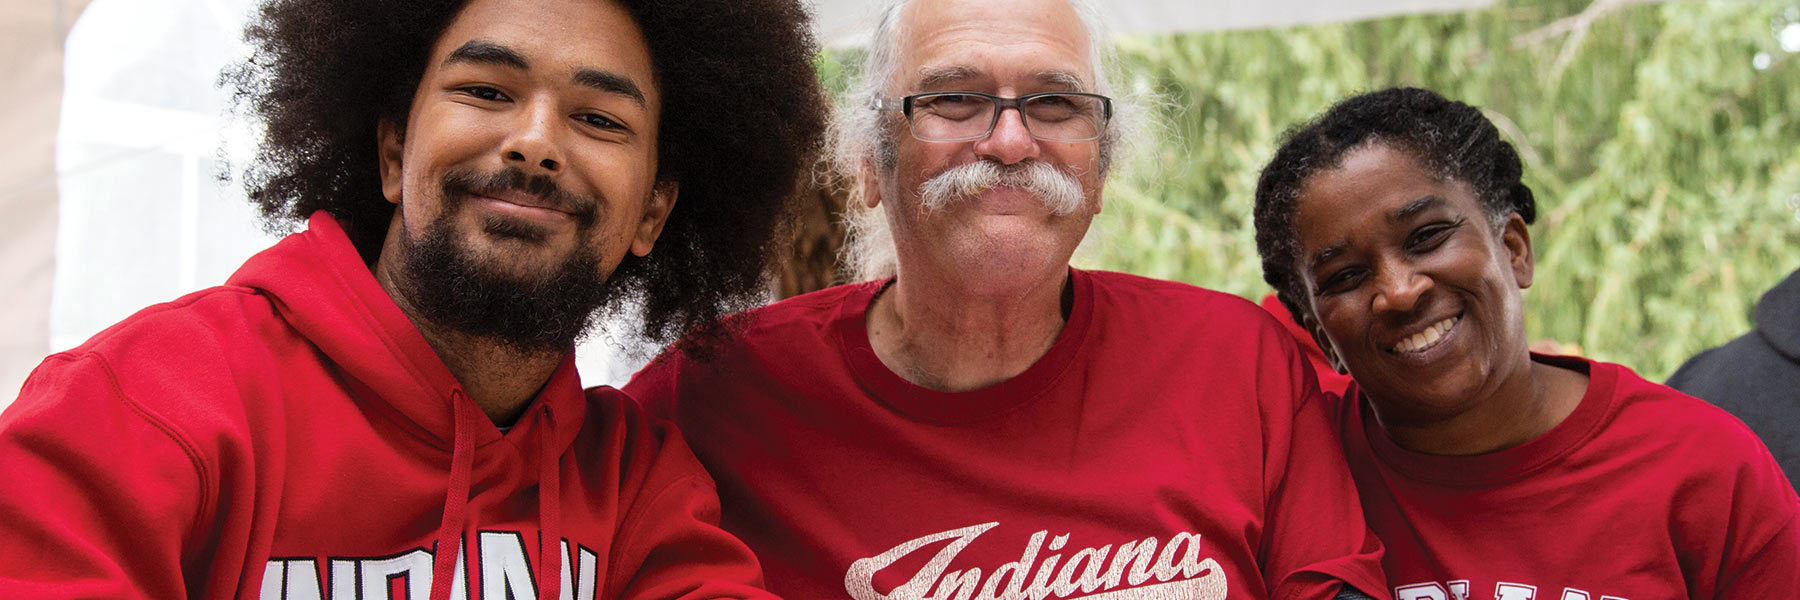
{"x": 1427, "y": 339}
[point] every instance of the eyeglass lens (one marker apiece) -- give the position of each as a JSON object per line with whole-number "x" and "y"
{"x": 1056, "y": 117}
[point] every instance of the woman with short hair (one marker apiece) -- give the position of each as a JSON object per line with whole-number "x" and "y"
{"x": 1394, "y": 228}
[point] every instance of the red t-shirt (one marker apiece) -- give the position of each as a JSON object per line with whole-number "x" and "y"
{"x": 1169, "y": 445}
{"x": 1642, "y": 493}
{"x": 1330, "y": 381}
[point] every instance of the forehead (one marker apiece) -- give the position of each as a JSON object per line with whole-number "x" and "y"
{"x": 557, "y": 37}
{"x": 1006, "y": 42}
{"x": 1369, "y": 188}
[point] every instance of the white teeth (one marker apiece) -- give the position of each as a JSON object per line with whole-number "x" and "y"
{"x": 1426, "y": 339}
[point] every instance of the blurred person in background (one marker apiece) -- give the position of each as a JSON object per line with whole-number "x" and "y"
{"x": 1757, "y": 375}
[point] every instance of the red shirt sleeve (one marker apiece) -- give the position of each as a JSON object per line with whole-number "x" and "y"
{"x": 670, "y": 536}
{"x": 100, "y": 498}
{"x": 1762, "y": 544}
{"x": 1315, "y": 539}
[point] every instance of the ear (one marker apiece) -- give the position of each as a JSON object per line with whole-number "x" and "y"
{"x": 869, "y": 183}
{"x": 392, "y": 146}
{"x": 1318, "y": 335}
{"x": 656, "y": 214}
{"x": 1516, "y": 236}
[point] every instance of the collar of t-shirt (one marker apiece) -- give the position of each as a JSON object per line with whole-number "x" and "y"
{"x": 930, "y": 405}
{"x": 1512, "y": 463}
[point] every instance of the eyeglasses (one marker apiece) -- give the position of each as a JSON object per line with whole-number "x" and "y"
{"x": 962, "y": 116}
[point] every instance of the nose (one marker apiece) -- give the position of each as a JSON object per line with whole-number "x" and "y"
{"x": 1398, "y": 289}
{"x": 1010, "y": 142}
{"x": 534, "y": 144}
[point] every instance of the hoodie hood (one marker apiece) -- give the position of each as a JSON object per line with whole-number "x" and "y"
{"x": 321, "y": 286}
{"x": 1778, "y": 316}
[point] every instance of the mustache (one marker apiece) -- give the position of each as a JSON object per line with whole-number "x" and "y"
{"x": 1060, "y": 192}
{"x": 460, "y": 185}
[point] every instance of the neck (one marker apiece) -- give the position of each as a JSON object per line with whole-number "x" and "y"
{"x": 949, "y": 338}
{"x": 501, "y": 379}
{"x": 1526, "y": 405}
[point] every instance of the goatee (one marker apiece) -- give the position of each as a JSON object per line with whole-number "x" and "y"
{"x": 543, "y": 311}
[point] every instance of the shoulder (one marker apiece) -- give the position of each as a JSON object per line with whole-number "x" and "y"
{"x": 183, "y": 367}
{"x": 649, "y": 451}
{"x": 1686, "y": 438}
{"x": 182, "y": 347}
{"x": 802, "y": 325}
{"x": 1128, "y": 286}
{"x": 1674, "y": 414}
{"x": 1726, "y": 490}
{"x": 1173, "y": 303}
{"x": 167, "y": 330}
{"x": 612, "y": 412}
{"x": 806, "y": 311}
{"x": 168, "y": 382}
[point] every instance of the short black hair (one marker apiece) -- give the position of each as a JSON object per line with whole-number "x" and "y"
{"x": 1452, "y": 139}
{"x": 742, "y": 116}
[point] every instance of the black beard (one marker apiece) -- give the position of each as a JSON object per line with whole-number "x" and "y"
{"x": 537, "y": 313}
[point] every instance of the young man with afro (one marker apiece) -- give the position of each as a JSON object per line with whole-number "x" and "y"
{"x": 385, "y": 403}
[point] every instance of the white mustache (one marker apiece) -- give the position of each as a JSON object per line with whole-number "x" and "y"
{"x": 1060, "y": 192}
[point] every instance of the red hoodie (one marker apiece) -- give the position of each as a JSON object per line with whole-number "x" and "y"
{"x": 291, "y": 435}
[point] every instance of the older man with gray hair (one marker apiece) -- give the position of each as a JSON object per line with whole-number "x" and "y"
{"x": 985, "y": 421}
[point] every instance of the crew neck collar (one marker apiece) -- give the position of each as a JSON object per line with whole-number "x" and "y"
{"x": 918, "y": 402}
{"x": 1501, "y": 465}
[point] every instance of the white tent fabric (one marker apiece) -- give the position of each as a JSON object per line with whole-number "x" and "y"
{"x": 841, "y": 23}
{"x": 143, "y": 138}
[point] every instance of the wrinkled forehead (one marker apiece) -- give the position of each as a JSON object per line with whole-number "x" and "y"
{"x": 990, "y": 45}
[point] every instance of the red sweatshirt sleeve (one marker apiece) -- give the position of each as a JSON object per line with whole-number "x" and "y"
{"x": 670, "y": 537}
{"x": 1315, "y": 539}
{"x": 99, "y": 496}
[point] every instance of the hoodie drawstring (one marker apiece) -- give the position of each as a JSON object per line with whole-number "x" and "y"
{"x": 550, "y": 555}
{"x": 456, "y": 497}
{"x": 456, "y": 502}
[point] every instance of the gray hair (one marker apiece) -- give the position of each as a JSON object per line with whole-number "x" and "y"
{"x": 858, "y": 133}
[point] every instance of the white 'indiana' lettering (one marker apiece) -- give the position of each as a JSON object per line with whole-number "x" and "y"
{"x": 505, "y": 569}
{"x": 1179, "y": 572}
{"x": 1459, "y": 590}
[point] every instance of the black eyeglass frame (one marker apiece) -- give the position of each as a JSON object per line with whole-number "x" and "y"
{"x": 904, "y": 105}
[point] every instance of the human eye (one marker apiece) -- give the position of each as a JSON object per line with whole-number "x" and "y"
{"x": 482, "y": 92}
{"x": 600, "y": 121}
{"x": 1430, "y": 236}
{"x": 952, "y": 105}
{"x": 1055, "y": 100}
{"x": 1341, "y": 280}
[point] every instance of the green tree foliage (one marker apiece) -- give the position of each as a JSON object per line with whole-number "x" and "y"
{"x": 1665, "y": 162}
{"x": 1664, "y": 153}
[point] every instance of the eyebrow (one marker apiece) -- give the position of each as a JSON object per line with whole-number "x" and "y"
{"x": 487, "y": 53}
{"x": 1324, "y": 256}
{"x": 490, "y": 53}
{"x": 1413, "y": 208}
{"x": 935, "y": 76}
{"x": 1062, "y": 79}
{"x": 611, "y": 83}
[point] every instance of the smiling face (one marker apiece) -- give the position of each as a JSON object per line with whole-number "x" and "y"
{"x": 558, "y": 95}
{"x": 528, "y": 158}
{"x": 1008, "y": 48}
{"x": 1411, "y": 285}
